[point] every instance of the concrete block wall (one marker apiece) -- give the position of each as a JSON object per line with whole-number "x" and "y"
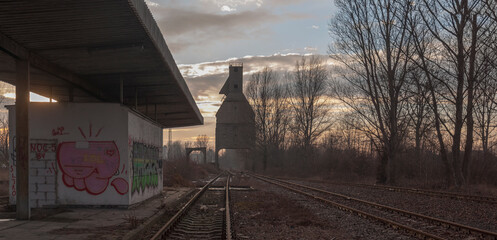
{"x": 43, "y": 173}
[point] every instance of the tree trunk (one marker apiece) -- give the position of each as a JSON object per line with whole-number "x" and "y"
{"x": 471, "y": 81}
{"x": 459, "y": 121}
{"x": 264, "y": 158}
{"x": 381, "y": 176}
{"x": 449, "y": 171}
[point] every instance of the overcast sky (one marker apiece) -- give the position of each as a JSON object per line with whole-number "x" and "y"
{"x": 205, "y": 35}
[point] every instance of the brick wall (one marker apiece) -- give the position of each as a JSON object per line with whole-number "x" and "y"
{"x": 42, "y": 173}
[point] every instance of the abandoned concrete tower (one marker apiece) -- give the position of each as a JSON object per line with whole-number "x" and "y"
{"x": 235, "y": 119}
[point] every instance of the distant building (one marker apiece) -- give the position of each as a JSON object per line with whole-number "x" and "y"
{"x": 235, "y": 119}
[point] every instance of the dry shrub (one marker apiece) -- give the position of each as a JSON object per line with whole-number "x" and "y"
{"x": 4, "y": 174}
{"x": 331, "y": 164}
{"x": 4, "y": 181}
{"x": 132, "y": 221}
{"x": 181, "y": 173}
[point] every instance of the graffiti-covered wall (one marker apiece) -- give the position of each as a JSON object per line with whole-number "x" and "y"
{"x": 145, "y": 149}
{"x": 81, "y": 154}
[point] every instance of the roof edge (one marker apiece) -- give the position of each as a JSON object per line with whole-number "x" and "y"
{"x": 150, "y": 26}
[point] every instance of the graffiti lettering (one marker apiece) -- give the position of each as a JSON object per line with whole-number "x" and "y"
{"x": 58, "y": 131}
{"x": 147, "y": 167}
{"x": 14, "y": 151}
{"x": 13, "y": 180}
{"x": 40, "y": 149}
{"x": 90, "y": 169}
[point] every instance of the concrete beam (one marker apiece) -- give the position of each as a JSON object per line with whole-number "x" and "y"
{"x": 19, "y": 52}
{"x": 22, "y": 140}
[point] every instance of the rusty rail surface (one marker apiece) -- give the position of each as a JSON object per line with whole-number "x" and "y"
{"x": 202, "y": 227}
{"x": 165, "y": 229}
{"x": 442, "y": 194}
{"x": 416, "y": 232}
{"x": 477, "y": 198}
{"x": 227, "y": 209}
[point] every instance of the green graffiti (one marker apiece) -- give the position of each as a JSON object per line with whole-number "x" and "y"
{"x": 147, "y": 167}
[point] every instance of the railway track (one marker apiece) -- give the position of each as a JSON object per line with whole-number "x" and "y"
{"x": 418, "y": 225}
{"x": 441, "y": 194}
{"x": 205, "y": 216}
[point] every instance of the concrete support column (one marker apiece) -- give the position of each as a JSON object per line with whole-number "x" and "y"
{"x": 136, "y": 98}
{"x": 217, "y": 157}
{"x": 71, "y": 94}
{"x": 205, "y": 156}
{"x": 155, "y": 112}
{"x": 121, "y": 90}
{"x": 51, "y": 94}
{"x": 146, "y": 106}
{"x": 22, "y": 140}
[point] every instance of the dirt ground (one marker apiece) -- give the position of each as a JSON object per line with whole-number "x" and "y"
{"x": 4, "y": 184}
{"x": 269, "y": 212}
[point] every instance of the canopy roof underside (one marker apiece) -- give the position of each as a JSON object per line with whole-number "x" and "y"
{"x": 85, "y": 49}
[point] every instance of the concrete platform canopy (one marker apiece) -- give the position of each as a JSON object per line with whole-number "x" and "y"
{"x": 88, "y": 53}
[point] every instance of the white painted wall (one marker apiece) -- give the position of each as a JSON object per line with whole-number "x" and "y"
{"x": 145, "y": 150}
{"x": 92, "y": 163}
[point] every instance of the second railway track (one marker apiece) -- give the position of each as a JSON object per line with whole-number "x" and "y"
{"x": 433, "y": 193}
{"x": 421, "y": 226}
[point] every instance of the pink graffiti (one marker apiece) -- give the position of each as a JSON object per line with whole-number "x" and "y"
{"x": 40, "y": 149}
{"x": 120, "y": 185}
{"x": 12, "y": 172}
{"x": 88, "y": 166}
{"x": 58, "y": 131}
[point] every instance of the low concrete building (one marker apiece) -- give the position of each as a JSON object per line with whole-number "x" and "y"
{"x": 78, "y": 157}
{"x": 116, "y": 84}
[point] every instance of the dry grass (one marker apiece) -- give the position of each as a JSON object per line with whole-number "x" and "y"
{"x": 4, "y": 184}
{"x": 4, "y": 174}
{"x": 131, "y": 220}
{"x": 181, "y": 173}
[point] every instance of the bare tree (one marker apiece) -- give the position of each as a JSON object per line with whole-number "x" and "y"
{"x": 449, "y": 42}
{"x": 201, "y": 141}
{"x": 4, "y": 127}
{"x": 307, "y": 93}
{"x": 176, "y": 151}
{"x": 418, "y": 110}
{"x": 268, "y": 99}
{"x": 485, "y": 111}
{"x": 373, "y": 45}
{"x": 4, "y": 142}
{"x": 486, "y": 90}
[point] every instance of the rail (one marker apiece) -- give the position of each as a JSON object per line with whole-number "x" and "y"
{"x": 227, "y": 209}
{"x": 361, "y": 213}
{"x": 443, "y": 194}
{"x": 161, "y": 233}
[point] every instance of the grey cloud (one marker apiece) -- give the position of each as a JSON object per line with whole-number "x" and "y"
{"x": 180, "y": 21}
{"x": 210, "y": 83}
{"x": 184, "y": 28}
{"x": 283, "y": 2}
{"x": 206, "y": 85}
{"x": 190, "y": 27}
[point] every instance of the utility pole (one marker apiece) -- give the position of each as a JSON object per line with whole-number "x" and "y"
{"x": 169, "y": 143}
